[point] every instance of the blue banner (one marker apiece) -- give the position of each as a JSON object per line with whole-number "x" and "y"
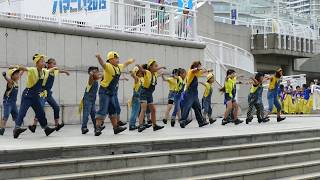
{"x": 182, "y": 4}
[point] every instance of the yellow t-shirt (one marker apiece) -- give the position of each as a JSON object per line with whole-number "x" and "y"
{"x": 137, "y": 85}
{"x": 273, "y": 81}
{"x": 172, "y": 83}
{"x": 208, "y": 89}
{"x": 109, "y": 72}
{"x": 229, "y": 85}
{"x": 253, "y": 88}
{"x": 179, "y": 84}
{"x": 149, "y": 79}
{"x": 46, "y": 75}
{"x": 34, "y": 75}
{"x": 190, "y": 77}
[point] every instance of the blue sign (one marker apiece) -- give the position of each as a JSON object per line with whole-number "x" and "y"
{"x": 182, "y": 4}
{"x": 234, "y": 16}
{"x": 65, "y": 6}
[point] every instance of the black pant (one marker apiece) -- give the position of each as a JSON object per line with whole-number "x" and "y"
{"x": 259, "y": 108}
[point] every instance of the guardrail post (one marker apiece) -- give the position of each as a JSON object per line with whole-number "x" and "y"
{"x": 172, "y": 30}
{"x": 220, "y": 52}
{"x": 235, "y": 57}
{"x": 294, "y": 43}
{"x": 121, "y": 15}
{"x": 279, "y": 41}
{"x": 148, "y": 18}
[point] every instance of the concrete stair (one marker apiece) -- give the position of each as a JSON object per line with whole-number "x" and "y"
{"x": 265, "y": 156}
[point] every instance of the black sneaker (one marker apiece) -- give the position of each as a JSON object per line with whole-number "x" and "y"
{"x": 279, "y": 119}
{"x": 264, "y": 120}
{"x": 173, "y": 122}
{"x": 32, "y": 128}
{"x": 97, "y": 131}
{"x": 165, "y": 121}
{"x": 59, "y": 126}
{"x": 2, "y": 131}
{"x": 212, "y": 120}
{"x": 188, "y": 121}
{"x": 18, "y": 131}
{"x": 248, "y": 120}
{"x": 84, "y": 130}
{"x": 132, "y": 128}
{"x": 119, "y": 129}
{"x": 147, "y": 125}
{"x": 48, "y": 130}
{"x": 149, "y": 122}
{"x": 157, "y": 127}
{"x": 120, "y": 123}
{"x": 238, "y": 121}
{"x": 102, "y": 127}
{"x": 141, "y": 128}
{"x": 184, "y": 123}
{"x": 203, "y": 124}
{"x": 224, "y": 122}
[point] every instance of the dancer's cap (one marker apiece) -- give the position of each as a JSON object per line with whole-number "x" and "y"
{"x": 112, "y": 54}
{"x": 37, "y": 57}
{"x": 150, "y": 62}
{"x": 209, "y": 76}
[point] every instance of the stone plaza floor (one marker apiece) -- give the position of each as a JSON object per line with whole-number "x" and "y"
{"x": 71, "y": 135}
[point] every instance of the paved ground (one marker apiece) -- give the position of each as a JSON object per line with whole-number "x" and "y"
{"x": 71, "y": 135}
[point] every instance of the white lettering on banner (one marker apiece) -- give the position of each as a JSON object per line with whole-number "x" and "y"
{"x": 66, "y": 6}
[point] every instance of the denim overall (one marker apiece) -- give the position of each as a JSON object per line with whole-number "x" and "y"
{"x": 206, "y": 103}
{"x": 146, "y": 93}
{"x": 107, "y": 100}
{"x": 135, "y": 107}
{"x": 89, "y": 105}
{"x": 9, "y": 102}
{"x": 190, "y": 100}
{"x": 177, "y": 98}
{"x": 31, "y": 98}
{"x": 273, "y": 98}
{"x": 49, "y": 99}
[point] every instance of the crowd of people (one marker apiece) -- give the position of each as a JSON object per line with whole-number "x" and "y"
{"x": 182, "y": 97}
{"x": 296, "y": 100}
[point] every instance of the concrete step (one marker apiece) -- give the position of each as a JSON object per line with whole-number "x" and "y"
{"x": 85, "y": 164}
{"x": 148, "y": 146}
{"x": 193, "y": 168}
{"x": 309, "y": 176}
{"x": 307, "y": 169}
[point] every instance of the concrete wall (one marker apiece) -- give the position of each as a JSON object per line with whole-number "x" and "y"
{"x": 205, "y": 21}
{"x": 236, "y": 35}
{"x": 76, "y": 53}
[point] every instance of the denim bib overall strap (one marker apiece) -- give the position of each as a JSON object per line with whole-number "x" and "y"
{"x": 49, "y": 83}
{"x": 11, "y": 94}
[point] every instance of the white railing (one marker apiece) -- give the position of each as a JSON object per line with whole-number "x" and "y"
{"x": 231, "y": 21}
{"x": 228, "y": 55}
{"x": 131, "y": 16}
{"x": 286, "y": 31}
{"x": 213, "y": 62}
